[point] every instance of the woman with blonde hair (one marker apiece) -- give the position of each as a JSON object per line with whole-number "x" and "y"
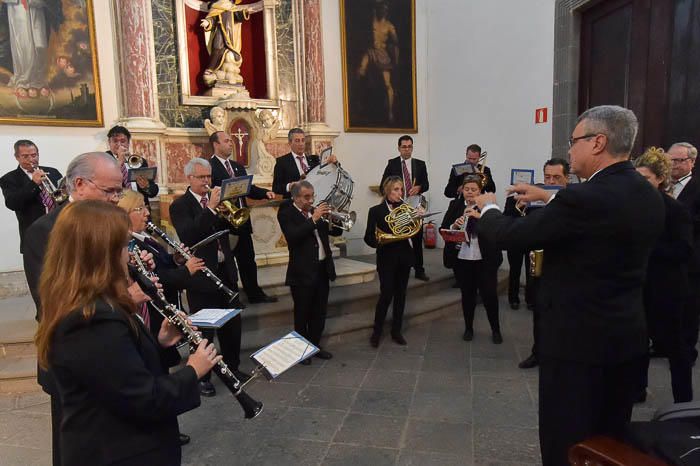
{"x": 119, "y": 405}
{"x": 666, "y": 288}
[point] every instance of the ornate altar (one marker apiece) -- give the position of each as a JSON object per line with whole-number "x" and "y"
{"x": 253, "y": 68}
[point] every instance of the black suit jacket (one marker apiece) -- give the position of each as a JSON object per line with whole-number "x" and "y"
{"x": 303, "y": 247}
{"x": 22, "y": 195}
{"x": 456, "y": 181}
{"x": 690, "y": 198}
{"x": 597, "y": 237}
{"x": 397, "y": 253}
{"x": 152, "y": 188}
{"x": 418, "y": 172}
{"x": 492, "y": 258}
{"x": 193, "y": 224}
{"x": 286, "y": 172}
{"x": 219, "y": 174}
{"x": 118, "y": 402}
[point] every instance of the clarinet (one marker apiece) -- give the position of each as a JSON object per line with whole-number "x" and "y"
{"x": 141, "y": 275}
{"x": 154, "y": 230}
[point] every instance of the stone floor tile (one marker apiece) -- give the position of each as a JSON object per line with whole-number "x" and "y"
{"x": 440, "y": 381}
{"x": 284, "y": 451}
{"x": 421, "y": 458}
{"x": 453, "y": 406}
{"x": 441, "y": 437}
{"x": 506, "y": 444}
{"x": 11, "y": 455}
{"x": 390, "y": 380}
{"x": 398, "y": 361}
{"x": 325, "y": 398}
{"x": 366, "y": 429}
{"x": 343, "y": 455}
{"x": 309, "y": 424}
{"x": 382, "y": 403}
{"x": 334, "y": 376}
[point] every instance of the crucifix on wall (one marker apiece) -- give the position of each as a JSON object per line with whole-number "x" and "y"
{"x": 240, "y": 132}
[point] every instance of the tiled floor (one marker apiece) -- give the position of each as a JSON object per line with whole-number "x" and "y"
{"x": 437, "y": 401}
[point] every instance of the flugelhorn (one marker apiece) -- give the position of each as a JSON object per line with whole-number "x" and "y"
{"x": 154, "y": 230}
{"x": 251, "y": 407}
{"x": 236, "y": 216}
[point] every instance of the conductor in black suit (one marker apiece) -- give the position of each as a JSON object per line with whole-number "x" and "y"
{"x": 119, "y": 139}
{"x": 294, "y": 166}
{"x": 685, "y": 187}
{"x": 415, "y": 179}
{"x": 194, "y": 217}
{"x": 224, "y": 167}
{"x": 90, "y": 176}
{"x": 597, "y": 237}
{"x": 310, "y": 265}
{"x": 23, "y": 188}
{"x": 454, "y": 184}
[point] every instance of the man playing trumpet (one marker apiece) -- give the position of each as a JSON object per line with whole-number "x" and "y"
{"x": 26, "y": 188}
{"x": 119, "y": 139}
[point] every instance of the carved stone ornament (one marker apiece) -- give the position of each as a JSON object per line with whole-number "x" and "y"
{"x": 216, "y": 121}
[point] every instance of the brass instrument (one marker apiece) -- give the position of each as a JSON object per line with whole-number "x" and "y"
{"x": 536, "y": 260}
{"x": 404, "y": 222}
{"x": 133, "y": 161}
{"x": 342, "y": 220}
{"x": 481, "y": 166}
{"x": 251, "y": 407}
{"x": 58, "y": 194}
{"x": 236, "y": 216}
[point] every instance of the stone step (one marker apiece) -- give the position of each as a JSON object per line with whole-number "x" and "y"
{"x": 18, "y": 374}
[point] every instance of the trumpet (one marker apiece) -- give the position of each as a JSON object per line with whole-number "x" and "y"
{"x": 154, "y": 230}
{"x": 133, "y": 160}
{"x": 251, "y": 407}
{"x": 58, "y": 194}
{"x": 336, "y": 218}
{"x": 236, "y": 216}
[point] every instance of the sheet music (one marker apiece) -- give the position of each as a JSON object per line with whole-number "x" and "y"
{"x": 213, "y": 317}
{"x": 280, "y": 355}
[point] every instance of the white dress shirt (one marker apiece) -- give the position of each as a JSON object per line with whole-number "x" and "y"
{"x": 678, "y": 186}
{"x": 301, "y": 170}
{"x": 220, "y": 256}
{"x": 321, "y": 251}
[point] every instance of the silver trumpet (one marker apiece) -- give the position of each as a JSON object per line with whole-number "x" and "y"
{"x": 58, "y": 194}
{"x": 342, "y": 220}
{"x": 133, "y": 160}
{"x": 154, "y": 230}
{"x": 141, "y": 274}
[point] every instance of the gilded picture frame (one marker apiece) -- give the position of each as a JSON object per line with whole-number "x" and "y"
{"x": 378, "y": 44}
{"x": 49, "y": 73}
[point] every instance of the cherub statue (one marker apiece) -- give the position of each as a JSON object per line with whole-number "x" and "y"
{"x": 217, "y": 121}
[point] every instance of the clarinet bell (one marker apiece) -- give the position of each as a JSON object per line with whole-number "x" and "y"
{"x": 251, "y": 407}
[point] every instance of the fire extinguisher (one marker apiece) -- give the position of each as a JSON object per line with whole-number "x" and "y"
{"x": 429, "y": 235}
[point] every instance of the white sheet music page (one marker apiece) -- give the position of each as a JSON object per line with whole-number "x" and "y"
{"x": 280, "y": 355}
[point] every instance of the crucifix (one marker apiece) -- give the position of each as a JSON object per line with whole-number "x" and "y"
{"x": 240, "y": 136}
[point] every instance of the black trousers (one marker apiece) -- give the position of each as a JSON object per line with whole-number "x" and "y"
{"x": 534, "y": 283}
{"x": 244, "y": 252}
{"x": 417, "y": 245}
{"x": 393, "y": 281}
{"x": 515, "y": 263}
{"x": 691, "y": 319}
{"x": 579, "y": 400}
{"x": 472, "y": 275}
{"x": 310, "y": 307}
{"x": 56, "y": 417}
{"x": 229, "y": 334}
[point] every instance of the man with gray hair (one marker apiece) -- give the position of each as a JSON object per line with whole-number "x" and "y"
{"x": 94, "y": 176}
{"x": 597, "y": 241}
{"x": 685, "y": 187}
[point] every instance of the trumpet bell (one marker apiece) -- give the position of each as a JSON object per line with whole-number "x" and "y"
{"x": 343, "y": 220}
{"x": 134, "y": 161}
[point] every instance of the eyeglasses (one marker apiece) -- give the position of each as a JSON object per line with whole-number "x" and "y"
{"x": 680, "y": 160}
{"x": 112, "y": 193}
{"x": 573, "y": 141}
{"x": 201, "y": 177}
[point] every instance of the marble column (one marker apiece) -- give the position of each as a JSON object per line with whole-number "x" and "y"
{"x": 139, "y": 108}
{"x": 315, "y": 87}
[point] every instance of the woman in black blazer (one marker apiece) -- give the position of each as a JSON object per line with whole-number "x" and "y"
{"x": 119, "y": 405}
{"x": 394, "y": 262}
{"x": 476, "y": 262}
{"x": 666, "y": 287}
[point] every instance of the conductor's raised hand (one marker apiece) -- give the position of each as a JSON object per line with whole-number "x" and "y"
{"x": 529, "y": 193}
{"x": 485, "y": 199}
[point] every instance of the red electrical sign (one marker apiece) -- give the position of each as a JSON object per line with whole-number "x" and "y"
{"x": 541, "y": 115}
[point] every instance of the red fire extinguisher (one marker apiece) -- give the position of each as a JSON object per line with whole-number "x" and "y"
{"x": 429, "y": 235}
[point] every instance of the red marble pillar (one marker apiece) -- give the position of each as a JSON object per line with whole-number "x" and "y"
{"x": 136, "y": 60}
{"x": 313, "y": 63}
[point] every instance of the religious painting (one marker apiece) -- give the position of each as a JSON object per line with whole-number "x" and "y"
{"x": 379, "y": 65}
{"x": 240, "y": 134}
{"x": 48, "y": 63}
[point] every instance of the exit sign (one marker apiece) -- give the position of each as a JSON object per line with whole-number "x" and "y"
{"x": 541, "y": 115}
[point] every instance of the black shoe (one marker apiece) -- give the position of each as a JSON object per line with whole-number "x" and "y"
{"x": 422, "y": 276}
{"x": 206, "y": 388}
{"x": 263, "y": 298}
{"x": 514, "y": 305}
{"x": 374, "y": 340}
{"x": 184, "y": 439}
{"x": 306, "y": 362}
{"x": 323, "y": 354}
{"x": 468, "y": 335}
{"x": 399, "y": 339}
{"x": 241, "y": 376}
{"x": 496, "y": 338}
{"x": 529, "y": 363}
